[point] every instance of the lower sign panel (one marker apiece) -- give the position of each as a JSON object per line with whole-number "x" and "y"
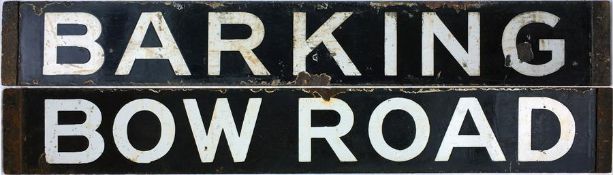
{"x": 291, "y": 131}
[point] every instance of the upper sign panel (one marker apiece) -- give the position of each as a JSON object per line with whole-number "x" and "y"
{"x": 276, "y": 43}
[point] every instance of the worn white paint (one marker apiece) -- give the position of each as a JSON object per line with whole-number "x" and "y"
{"x": 391, "y": 44}
{"x": 332, "y": 134}
{"x": 556, "y": 46}
{"x": 422, "y": 129}
{"x": 169, "y": 50}
{"x": 120, "y": 130}
{"x": 86, "y": 41}
{"x": 486, "y": 137}
{"x": 222, "y": 120}
{"x": 524, "y": 143}
{"x": 303, "y": 45}
{"x": 245, "y": 46}
{"x": 433, "y": 26}
{"x": 87, "y": 129}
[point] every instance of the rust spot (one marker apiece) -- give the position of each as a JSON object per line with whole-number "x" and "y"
{"x": 219, "y": 170}
{"x": 43, "y": 165}
{"x": 306, "y": 79}
{"x": 379, "y": 5}
{"x": 524, "y": 52}
{"x": 222, "y": 91}
{"x": 89, "y": 82}
{"x": 458, "y": 6}
{"x": 177, "y": 6}
{"x": 215, "y": 4}
{"x": 39, "y": 8}
{"x": 321, "y": 6}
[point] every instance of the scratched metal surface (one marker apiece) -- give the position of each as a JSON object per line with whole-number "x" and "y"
{"x": 361, "y": 36}
{"x": 274, "y": 149}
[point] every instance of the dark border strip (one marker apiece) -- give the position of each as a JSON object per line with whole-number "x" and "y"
{"x": 12, "y": 134}
{"x": 10, "y": 42}
{"x": 603, "y": 132}
{"x": 601, "y": 43}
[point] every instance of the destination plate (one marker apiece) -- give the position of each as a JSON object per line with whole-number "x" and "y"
{"x": 271, "y": 43}
{"x": 294, "y": 131}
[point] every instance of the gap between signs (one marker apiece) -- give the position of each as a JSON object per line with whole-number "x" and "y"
{"x": 300, "y": 87}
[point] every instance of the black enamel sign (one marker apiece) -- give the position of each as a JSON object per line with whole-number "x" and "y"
{"x": 306, "y": 87}
{"x": 290, "y": 131}
{"x": 270, "y": 43}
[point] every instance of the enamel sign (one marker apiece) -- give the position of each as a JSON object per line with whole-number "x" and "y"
{"x": 270, "y": 43}
{"x": 289, "y": 131}
{"x": 135, "y": 87}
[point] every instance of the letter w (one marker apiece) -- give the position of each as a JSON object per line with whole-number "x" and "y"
{"x": 222, "y": 120}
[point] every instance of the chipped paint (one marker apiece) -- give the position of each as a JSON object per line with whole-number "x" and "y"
{"x": 321, "y": 6}
{"x": 280, "y": 107}
{"x": 322, "y": 86}
{"x": 337, "y": 34}
{"x": 457, "y": 6}
{"x": 383, "y": 5}
{"x": 40, "y": 8}
{"x": 215, "y": 4}
{"x": 306, "y": 79}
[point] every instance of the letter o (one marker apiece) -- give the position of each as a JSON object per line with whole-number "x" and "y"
{"x": 422, "y": 129}
{"x": 120, "y": 130}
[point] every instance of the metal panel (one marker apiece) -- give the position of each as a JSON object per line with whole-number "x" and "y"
{"x": 584, "y": 26}
{"x": 274, "y": 145}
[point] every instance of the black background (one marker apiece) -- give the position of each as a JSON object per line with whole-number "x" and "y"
{"x": 274, "y": 146}
{"x": 361, "y": 36}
